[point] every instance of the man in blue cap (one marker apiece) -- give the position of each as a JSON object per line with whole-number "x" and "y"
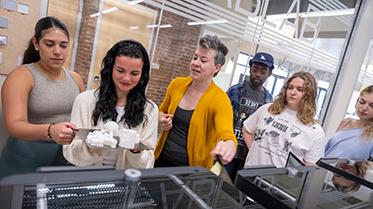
{"x": 246, "y": 97}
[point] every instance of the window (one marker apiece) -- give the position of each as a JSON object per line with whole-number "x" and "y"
{"x": 23, "y": 8}
{"x": 273, "y": 84}
{"x": 322, "y": 88}
{"x": 242, "y": 68}
{"x": 277, "y": 80}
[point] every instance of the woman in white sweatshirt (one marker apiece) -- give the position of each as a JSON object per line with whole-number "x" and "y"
{"x": 120, "y": 98}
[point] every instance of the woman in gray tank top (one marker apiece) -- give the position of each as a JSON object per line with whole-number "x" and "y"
{"x": 37, "y": 99}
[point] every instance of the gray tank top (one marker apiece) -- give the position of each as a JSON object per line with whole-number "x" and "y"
{"x": 50, "y": 100}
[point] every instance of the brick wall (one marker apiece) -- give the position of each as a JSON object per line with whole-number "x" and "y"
{"x": 173, "y": 53}
{"x": 174, "y": 49}
{"x": 86, "y": 38}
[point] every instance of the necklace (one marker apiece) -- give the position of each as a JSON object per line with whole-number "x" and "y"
{"x": 52, "y": 76}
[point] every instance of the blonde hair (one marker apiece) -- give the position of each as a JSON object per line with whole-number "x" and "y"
{"x": 361, "y": 170}
{"x": 307, "y": 106}
{"x": 368, "y": 128}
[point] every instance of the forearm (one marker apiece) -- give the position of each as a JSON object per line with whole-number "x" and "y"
{"x": 28, "y": 131}
{"x": 61, "y": 133}
{"x": 248, "y": 137}
{"x": 160, "y": 115}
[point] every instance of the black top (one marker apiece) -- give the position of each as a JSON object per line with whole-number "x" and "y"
{"x": 175, "y": 148}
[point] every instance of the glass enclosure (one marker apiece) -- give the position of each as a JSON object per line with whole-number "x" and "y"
{"x": 337, "y": 183}
{"x": 308, "y": 35}
{"x": 158, "y": 188}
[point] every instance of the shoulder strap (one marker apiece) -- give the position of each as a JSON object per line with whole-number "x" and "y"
{"x": 344, "y": 123}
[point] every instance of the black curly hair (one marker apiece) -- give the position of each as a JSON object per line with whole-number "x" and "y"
{"x": 136, "y": 99}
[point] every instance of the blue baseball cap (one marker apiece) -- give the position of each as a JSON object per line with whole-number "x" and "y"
{"x": 263, "y": 58}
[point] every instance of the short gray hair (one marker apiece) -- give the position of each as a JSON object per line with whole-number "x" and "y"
{"x": 213, "y": 42}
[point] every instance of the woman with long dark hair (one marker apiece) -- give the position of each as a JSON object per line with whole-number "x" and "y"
{"x": 119, "y": 98}
{"x": 37, "y": 98}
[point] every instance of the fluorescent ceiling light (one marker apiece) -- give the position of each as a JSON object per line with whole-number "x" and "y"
{"x": 165, "y": 26}
{"x": 207, "y": 22}
{"x": 112, "y": 9}
{"x": 327, "y": 13}
{"x": 109, "y": 10}
{"x": 134, "y": 27}
{"x": 160, "y": 26}
{"x": 95, "y": 14}
{"x": 152, "y": 26}
{"x": 134, "y": 2}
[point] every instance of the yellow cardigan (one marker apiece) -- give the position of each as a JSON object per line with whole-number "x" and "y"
{"x": 212, "y": 121}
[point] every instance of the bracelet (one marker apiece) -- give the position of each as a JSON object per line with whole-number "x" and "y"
{"x": 49, "y": 131}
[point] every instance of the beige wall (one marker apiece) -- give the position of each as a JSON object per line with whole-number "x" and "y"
{"x": 20, "y": 30}
{"x": 67, "y": 11}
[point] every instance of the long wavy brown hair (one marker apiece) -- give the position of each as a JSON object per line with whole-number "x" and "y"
{"x": 307, "y": 106}
{"x": 368, "y": 128}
